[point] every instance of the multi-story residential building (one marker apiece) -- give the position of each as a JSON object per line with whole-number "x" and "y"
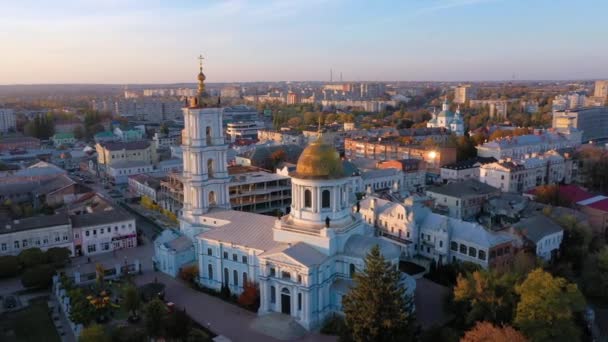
{"x": 463, "y": 170}
{"x": 540, "y": 142}
{"x": 525, "y": 174}
{"x": 601, "y": 89}
{"x": 145, "y": 185}
{"x": 462, "y": 200}
{"x": 281, "y": 137}
{"x": 373, "y": 106}
{"x": 390, "y": 148}
{"x": 420, "y": 232}
{"x": 63, "y": 139}
{"x": 7, "y": 120}
{"x": 498, "y": 108}
{"x": 591, "y": 121}
{"x": 413, "y": 171}
{"x": 171, "y": 196}
{"x": 109, "y": 153}
{"x": 567, "y": 101}
{"x": 19, "y": 143}
{"x": 42, "y": 232}
{"x": 230, "y": 92}
{"x": 464, "y": 93}
{"x": 243, "y": 130}
{"x": 439, "y": 135}
{"x": 239, "y": 113}
{"x": 150, "y": 109}
{"x": 161, "y": 140}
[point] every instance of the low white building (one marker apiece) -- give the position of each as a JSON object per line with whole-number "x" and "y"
{"x": 540, "y": 142}
{"x": 144, "y": 185}
{"x": 166, "y": 140}
{"x": 541, "y": 234}
{"x": 103, "y": 231}
{"x": 420, "y": 232}
{"x": 120, "y": 171}
{"x": 42, "y": 232}
{"x": 464, "y": 170}
{"x": 243, "y": 130}
{"x": 462, "y": 200}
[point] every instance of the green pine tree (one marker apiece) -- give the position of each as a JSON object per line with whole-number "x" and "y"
{"x": 377, "y": 308}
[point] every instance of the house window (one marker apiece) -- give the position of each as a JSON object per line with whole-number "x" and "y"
{"x": 16, "y": 244}
{"x": 507, "y": 249}
{"x": 225, "y": 255}
{"x": 210, "y": 271}
{"x": 492, "y": 255}
{"x": 463, "y": 249}
{"x": 244, "y": 259}
{"x": 307, "y": 199}
{"x": 57, "y": 238}
{"x": 472, "y": 252}
{"x": 440, "y": 243}
{"x": 245, "y": 279}
{"x": 91, "y": 248}
{"x": 115, "y": 229}
{"x": 482, "y": 255}
{"x": 94, "y": 231}
{"x": 285, "y": 275}
{"x": 226, "y": 277}
{"x": 105, "y": 246}
{"x": 86, "y": 233}
{"x": 352, "y": 270}
{"x": 209, "y": 251}
{"x": 453, "y": 246}
{"x": 299, "y": 302}
{"x": 235, "y": 275}
{"x": 273, "y": 294}
{"x": 25, "y": 243}
{"x": 299, "y": 279}
{"x": 65, "y": 238}
{"x": 499, "y": 252}
{"x": 235, "y": 257}
{"x": 3, "y": 246}
{"x": 325, "y": 199}
{"x": 273, "y": 272}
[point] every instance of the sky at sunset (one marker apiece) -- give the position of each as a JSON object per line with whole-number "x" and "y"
{"x": 124, "y": 41}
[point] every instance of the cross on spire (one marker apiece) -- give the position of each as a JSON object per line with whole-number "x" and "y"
{"x": 200, "y": 58}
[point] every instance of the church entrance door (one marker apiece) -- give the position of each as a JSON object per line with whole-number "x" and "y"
{"x": 285, "y": 302}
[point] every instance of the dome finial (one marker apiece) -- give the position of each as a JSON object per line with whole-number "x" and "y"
{"x": 201, "y": 79}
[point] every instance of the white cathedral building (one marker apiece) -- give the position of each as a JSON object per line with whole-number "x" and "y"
{"x": 447, "y": 119}
{"x": 303, "y": 262}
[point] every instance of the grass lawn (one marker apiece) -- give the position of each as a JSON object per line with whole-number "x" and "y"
{"x": 33, "y": 323}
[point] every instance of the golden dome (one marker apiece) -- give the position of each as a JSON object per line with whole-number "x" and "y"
{"x": 319, "y": 161}
{"x": 201, "y": 77}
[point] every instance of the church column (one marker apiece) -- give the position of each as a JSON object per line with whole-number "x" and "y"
{"x": 264, "y": 295}
{"x": 335, "y": 192}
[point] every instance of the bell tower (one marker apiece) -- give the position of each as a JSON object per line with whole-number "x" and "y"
{"x": 205, "y": 175}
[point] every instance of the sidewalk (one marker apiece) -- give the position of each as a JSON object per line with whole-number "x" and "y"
{"x": 221, "y": 317}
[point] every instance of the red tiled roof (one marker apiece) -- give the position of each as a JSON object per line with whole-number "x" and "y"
{"x": 571, "y": 193}
{"x": 599, "y": 205}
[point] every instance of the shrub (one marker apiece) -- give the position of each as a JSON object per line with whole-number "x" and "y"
{"x": 39, "y": 277}
{"x": 9, "y": 266}
{"x": 32, "y": 257}
{"x": 334, "y": 325}
{"x": 93, "y": 333}
{"x": 198, "y": 335}
{"x": 156, "y": 312}
{"x": 178, "y": 324}
{"x": 58, "y": 256}
{"x": 129, "y": 334}
{"x": 250, "y": 297}
{"x": 152, "y": 290}
{"x": 189, "y": 273}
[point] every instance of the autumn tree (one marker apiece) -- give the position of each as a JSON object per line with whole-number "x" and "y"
{"x": 377, "y": 307}
{"x": 250, "y": 297}
{"x": 277, "y": 157}
{"x": 547, "y": 306}
{"x": 487, "y": 295}
{"x": 486, "y": 331}
{"x": 131, "y": 299}
{"x": 155, "y": 313}
{"x": 595, "y": 274}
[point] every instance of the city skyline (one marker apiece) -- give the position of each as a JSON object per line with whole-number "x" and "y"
{"x": 117, "y": 42}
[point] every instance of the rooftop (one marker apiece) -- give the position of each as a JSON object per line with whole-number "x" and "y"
{"x": 537, "y": 227}
{"x": 469, "y": 163}
{"x": 131, "y": 145}
{"x": 469, "y": 187}
{"x": 35, "y": 222}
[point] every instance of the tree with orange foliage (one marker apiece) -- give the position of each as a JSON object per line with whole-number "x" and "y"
{"x": 486, "y": 331}
{"x": 250, "y": 297}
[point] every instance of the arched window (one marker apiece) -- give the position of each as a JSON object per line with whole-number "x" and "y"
{"x": 212, "y": 200}
{"x": 226, "y": 277}
{"x": 235, "y": 275}
{"x": 273, "y": 294}
{"x": 210, "y": 168}
{"x": 307, "y": 199}
{"x": 352, "y": 270}
{"x": 245, "y": 279}
{"x": 325, "y": 202}
{"x": 285, "y": 290}
{"x": 210, "y": 271}
{"x": 299, "y": 301}
{"x": 208, "y": 135}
